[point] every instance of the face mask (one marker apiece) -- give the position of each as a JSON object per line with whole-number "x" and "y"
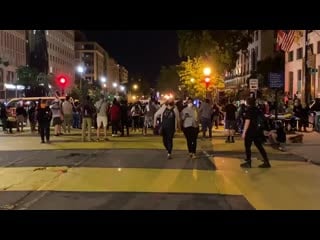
{"x": 190, "y": 104}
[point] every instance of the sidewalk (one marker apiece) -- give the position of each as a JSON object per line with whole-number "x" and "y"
{"x": 309, "y": 149}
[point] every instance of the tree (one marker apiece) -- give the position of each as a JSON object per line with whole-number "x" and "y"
{"x": 168, "y": 80}
{"x": 192, "y": 78}
{"x": 36, "y": 84}
{"x": 220, "y": 47}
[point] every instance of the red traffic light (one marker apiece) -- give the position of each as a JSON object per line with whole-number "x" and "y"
{"x": 62, "y": 81}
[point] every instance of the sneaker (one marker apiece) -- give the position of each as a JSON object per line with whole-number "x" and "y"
{"x": 169, "y": 156}
{"x": 247, "y": 164}
{"x": 194, "y": 156}
{"x": 265, "y": 165}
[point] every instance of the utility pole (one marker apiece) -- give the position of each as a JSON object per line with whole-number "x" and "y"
{"x": 307, "y": 82}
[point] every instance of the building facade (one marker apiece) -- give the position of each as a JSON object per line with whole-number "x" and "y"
{"x": 261, "y": 47}
{"x": 61, "y": 53}
{"x": 12, "y": 55}
{"x": 92, "y": 57}
{"x": 123, "y": 75}
{"x": 295, "y": 65}
{"x": 113, "y": 74}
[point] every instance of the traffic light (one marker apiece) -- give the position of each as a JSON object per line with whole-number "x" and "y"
{"x": 62, "y": 82}
{"x": 207, "y": 81}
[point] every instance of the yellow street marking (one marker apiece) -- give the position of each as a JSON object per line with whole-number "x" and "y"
{"x": 115, "y": 180}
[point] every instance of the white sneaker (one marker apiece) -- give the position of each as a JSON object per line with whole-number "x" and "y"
{"x": 169, "y": 156}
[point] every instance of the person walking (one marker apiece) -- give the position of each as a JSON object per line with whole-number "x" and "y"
{"x": 170, "y": 121}
{"x": 190, "y": 118}
{"x": 206, "y": 113}
{"x": 252, "y": 133}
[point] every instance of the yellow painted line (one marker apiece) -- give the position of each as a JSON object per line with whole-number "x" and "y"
{"x": 115, "y": 180}
{"x": 286, "y": 186}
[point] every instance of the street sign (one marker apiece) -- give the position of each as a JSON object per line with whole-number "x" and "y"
{"x": 276, "y": 80}
{"x": 253, "y": 84}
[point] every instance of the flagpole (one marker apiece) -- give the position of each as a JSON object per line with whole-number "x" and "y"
{"x": 307, "y": 83}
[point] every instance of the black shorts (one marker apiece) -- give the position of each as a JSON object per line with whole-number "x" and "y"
{"x": 56, "y": 121}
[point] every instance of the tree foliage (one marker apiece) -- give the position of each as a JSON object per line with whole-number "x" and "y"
{"x": 220, "y": 46}
{"x": 192, "y": 78}
{"x": 36, "y": 84}
{"x": 168, "y": 80}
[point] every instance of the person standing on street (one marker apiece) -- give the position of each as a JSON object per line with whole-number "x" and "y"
{"x": 44, "y": 116}
{"x": 67, "y": 111}
{"x": 230, "y": 123}
{"x": 206, "y": 113}
{"x": 170, "y": 121}
{"x": 87, "y": 112}
{"x": 252, "y": 133}
{"x": 102, "y": 119}
{"x": 190, "y": 118}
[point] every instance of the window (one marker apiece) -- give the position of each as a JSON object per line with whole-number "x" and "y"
{"x": 299, "y": 53}
{"x": 256, "y": 35}
{"x": 290, "y": 56}
{"x": 299, "y": 82}
{"x": 318, "y": 47}
{"x": 291, "y": 83}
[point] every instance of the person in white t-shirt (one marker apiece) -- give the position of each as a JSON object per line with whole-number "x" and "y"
{"x": 67, "y": 110}
{"x": 102, "y": 117}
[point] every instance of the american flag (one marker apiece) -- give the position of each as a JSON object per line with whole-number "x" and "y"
{"x": 285, "y": 39}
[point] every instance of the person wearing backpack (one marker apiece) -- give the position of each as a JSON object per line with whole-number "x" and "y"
{"x": 44, "y": 116}
{"x": 252, "y": 132}
{"x": 170, "y": 121}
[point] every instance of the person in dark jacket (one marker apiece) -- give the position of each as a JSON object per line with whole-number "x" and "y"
{"x": 252, "y": 133}
{"x": 44, "y": 116}
{"x": 115, "y": 112}
{"x": 3, "y": 116}
{"x": 124, "y": 117}
{"x": 32, "y": 117}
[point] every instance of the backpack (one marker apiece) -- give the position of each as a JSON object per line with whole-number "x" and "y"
{"x": 87, "y": 110}
{"x": 261, "y": 120}
{"x": 168, "y": 117}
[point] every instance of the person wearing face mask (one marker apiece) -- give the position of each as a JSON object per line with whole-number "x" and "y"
{"x": 44, "y": 116}
{"x": 169, "y": 123}
{"x": 190, "y": 118}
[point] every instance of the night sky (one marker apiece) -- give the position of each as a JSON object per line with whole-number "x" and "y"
{"x": 141, "y": 52}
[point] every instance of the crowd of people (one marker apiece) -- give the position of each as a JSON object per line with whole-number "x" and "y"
{"x": 249, "y": 119}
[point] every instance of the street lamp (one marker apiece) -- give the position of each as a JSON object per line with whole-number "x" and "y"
{"x": 80, "y": 70}
{"x": 207, "y": 71}
{"x": 114, "y": 84}
{"x": 192, "y": 80}
{"x": 122, "y": 88}
{"x": 135, "y": 86}
{"x": 103, "y": 81}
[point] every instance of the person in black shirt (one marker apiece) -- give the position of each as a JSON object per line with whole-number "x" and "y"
{"x": 230, "y": 121}
{"x": 44, "y": 116}
{"x": 251, "y": 133}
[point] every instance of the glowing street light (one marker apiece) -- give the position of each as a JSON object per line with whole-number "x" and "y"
{"x": 80, "y": 69}
{"x": 192, "y": 80}
{"x": 114, "y": 84}
{"x": 103, "y": 79}
{"x": 207, "y": 71}
{"x": 122, "y": 88}
{"x": 135, "y": 86}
